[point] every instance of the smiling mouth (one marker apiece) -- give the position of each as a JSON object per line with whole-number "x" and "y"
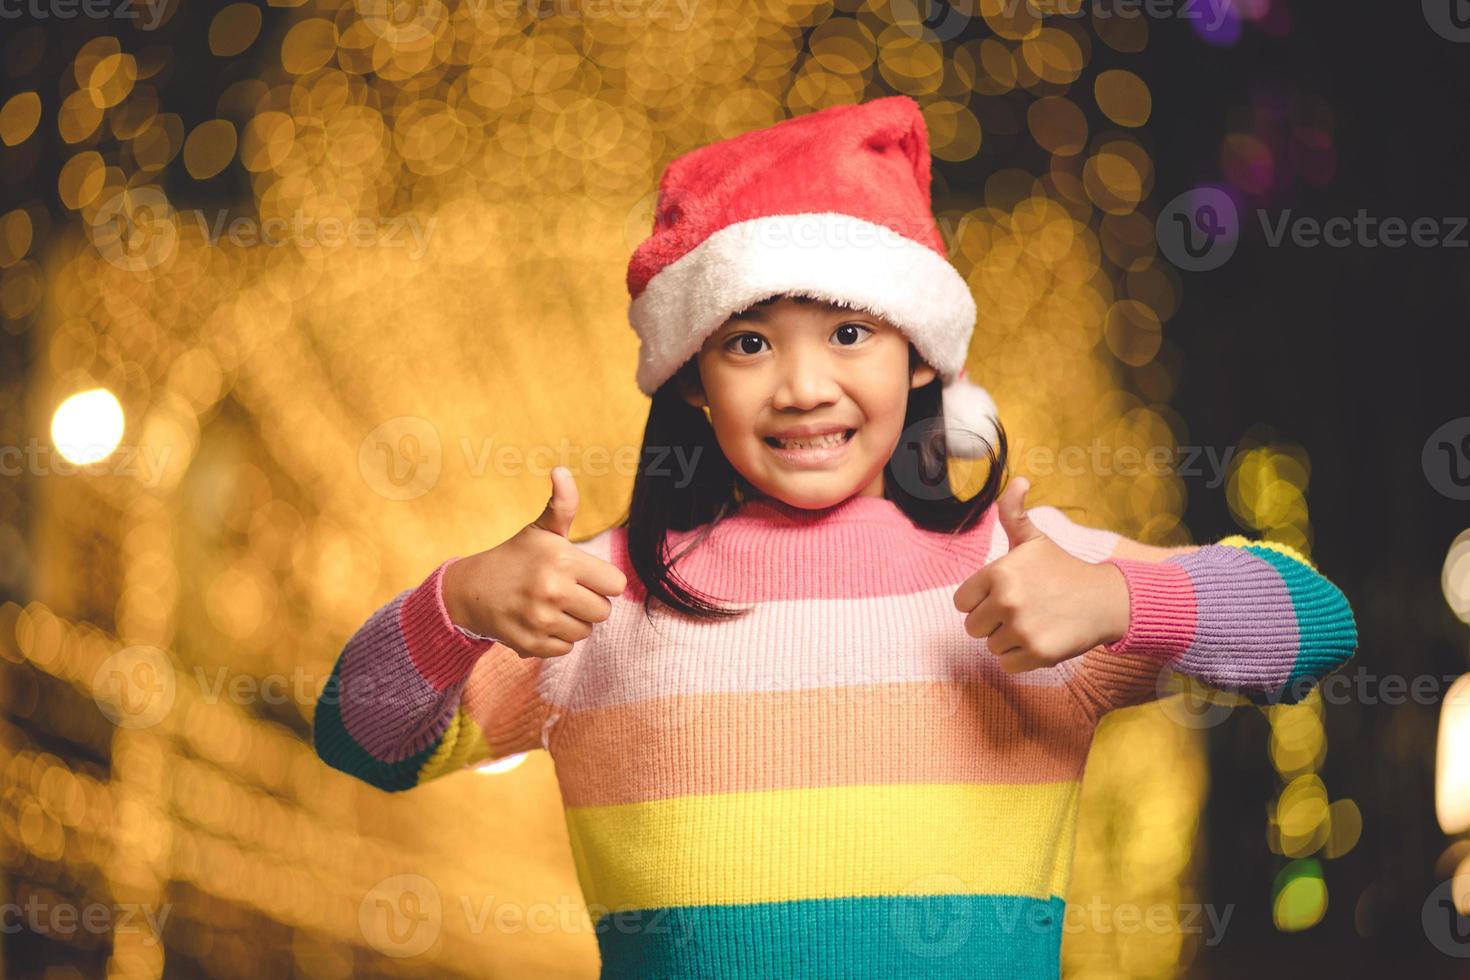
{"x": 811, "y": 442}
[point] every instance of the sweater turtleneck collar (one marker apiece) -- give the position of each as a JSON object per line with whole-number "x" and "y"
{"x": 770, "y": 550}
{"x": 769, "y": 510}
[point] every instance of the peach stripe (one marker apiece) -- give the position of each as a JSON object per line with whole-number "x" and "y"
{"x": 880, "y": 734}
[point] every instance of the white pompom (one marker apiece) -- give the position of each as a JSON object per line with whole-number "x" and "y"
{"x": 969, "y": 417}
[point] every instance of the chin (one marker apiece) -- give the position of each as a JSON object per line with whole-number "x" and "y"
{"x": 830, "y": 492}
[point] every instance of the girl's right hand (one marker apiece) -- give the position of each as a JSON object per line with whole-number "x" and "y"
{"x": 537, "y": 593}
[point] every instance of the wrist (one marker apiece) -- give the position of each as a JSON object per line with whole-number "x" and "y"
{"x": 455, "y": 593}
{"x": 1116, "y": 603}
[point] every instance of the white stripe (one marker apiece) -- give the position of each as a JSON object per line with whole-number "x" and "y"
{"x": 831, "y": 256}
{"x": 799, "y": 644}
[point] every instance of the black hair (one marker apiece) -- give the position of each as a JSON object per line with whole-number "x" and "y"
{"x": 665, "y": 498}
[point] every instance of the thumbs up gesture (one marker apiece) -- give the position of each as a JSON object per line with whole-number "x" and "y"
{"x": 537, "y": 593}
{"x": 1037, "y": 604}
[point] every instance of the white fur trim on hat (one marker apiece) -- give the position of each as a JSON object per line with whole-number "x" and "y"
{"x": 831, "y": 256}
{"x": 969, "y": 418}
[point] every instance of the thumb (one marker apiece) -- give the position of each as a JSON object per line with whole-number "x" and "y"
{"x": 562, "y": 507}
{"x": 1012, "y": 511}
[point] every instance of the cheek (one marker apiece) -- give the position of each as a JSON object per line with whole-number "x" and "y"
{"x": 733, "y": 421}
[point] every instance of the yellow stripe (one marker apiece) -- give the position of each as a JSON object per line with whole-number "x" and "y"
{"x": 462, "y": 745}
{"x": 1240, "y": 541}
{"x": 793, "y": 844}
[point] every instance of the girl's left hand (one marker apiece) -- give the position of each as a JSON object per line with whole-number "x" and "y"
{"x": 1037, "y": 604}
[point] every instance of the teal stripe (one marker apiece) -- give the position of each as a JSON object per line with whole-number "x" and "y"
{"x": 924, "y": 937}
{"x": 1327, "y": 634}
{"x": 337, "y": 748}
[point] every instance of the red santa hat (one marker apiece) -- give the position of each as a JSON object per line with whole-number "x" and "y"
{"x": 833, "y": 204}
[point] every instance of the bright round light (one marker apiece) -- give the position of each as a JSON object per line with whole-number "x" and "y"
{"x": 503, "y": 765}
{"x": 87, "y": 426}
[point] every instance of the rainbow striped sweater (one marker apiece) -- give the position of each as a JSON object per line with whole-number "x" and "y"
{"x": 805, "y": 791}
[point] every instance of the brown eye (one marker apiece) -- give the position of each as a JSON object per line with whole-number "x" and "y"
{"x": 847, "y": 329}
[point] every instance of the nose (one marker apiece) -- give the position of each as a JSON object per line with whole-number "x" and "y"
{"x": 805, "y": 379}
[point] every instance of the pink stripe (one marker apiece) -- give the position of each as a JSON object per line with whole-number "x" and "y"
{"x": 749, "y": 556}
{"x": 1161, "y": 608}
{"x": 441, "y": 654}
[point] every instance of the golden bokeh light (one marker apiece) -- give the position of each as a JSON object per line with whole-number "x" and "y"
{"x": 87, "y": 426}
{"x": 437, "y": 202}
{"x": 18, "y": 117}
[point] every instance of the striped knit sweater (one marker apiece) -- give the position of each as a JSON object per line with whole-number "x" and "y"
{"x": 806, "y": 791}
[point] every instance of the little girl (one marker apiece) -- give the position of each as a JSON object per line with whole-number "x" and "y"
{"x": 804, "y": 701}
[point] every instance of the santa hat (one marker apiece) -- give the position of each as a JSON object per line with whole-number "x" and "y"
{"x": 833, "y": 204}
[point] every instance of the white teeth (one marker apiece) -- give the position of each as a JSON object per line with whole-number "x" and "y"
{"x": 830, "y": 439}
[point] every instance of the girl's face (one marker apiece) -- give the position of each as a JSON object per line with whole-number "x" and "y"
{"x": 789, "y": 368}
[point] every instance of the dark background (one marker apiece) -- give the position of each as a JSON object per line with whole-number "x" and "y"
{"x": 1358, "y": 354}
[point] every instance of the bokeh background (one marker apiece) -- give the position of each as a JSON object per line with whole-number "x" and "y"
{"x": 298, "y": 299}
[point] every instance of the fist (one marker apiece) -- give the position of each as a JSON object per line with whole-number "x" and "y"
{"x": 1037, "y": 604}
{"x": 537, "y": 593}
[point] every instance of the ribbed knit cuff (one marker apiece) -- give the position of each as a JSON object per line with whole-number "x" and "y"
{"x": 1161, "y": 608}
{"x": 441, "y": 652}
